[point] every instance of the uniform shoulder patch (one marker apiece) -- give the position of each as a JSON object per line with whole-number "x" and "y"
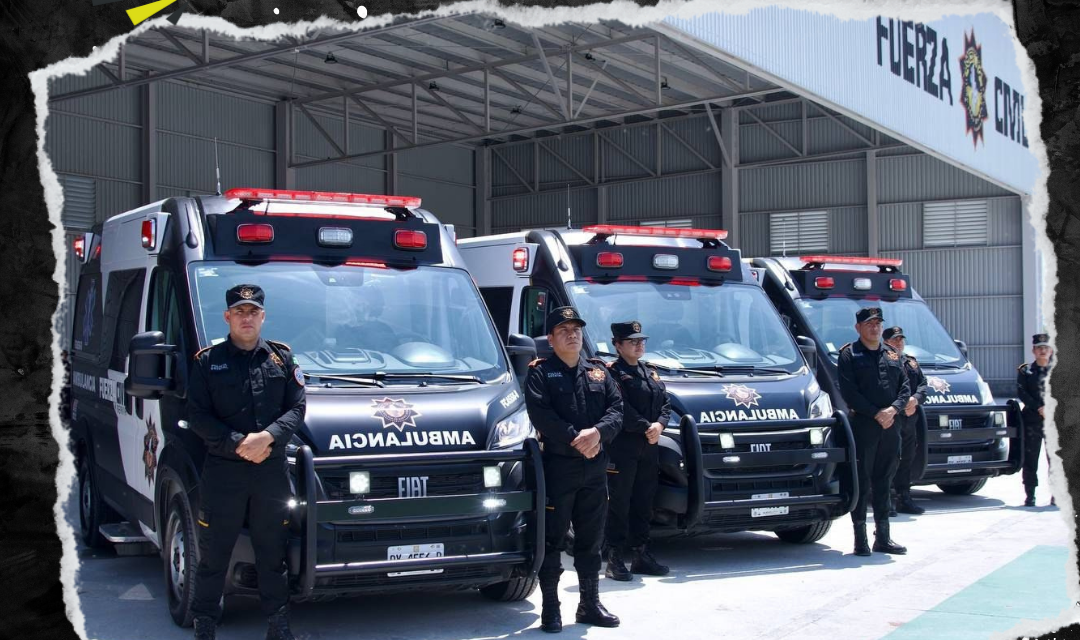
{"x": 280, "y": 345}
{"x": 202, "y": 351}
{"x": 892, "y": 355}
{"x": 597, "y": 375}
{"x": 536, "y": 361}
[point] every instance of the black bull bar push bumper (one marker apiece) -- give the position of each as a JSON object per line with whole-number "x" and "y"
{"x": 1011, "y": 430}
{"x": 841, "y": 454}
{"x": 312, "y": 511}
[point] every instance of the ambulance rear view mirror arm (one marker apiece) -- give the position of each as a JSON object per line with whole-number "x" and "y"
{"x": 148, "y": 366}
{"x": 962, "y": 346}
{"x": 809, "y": 351}
{"x": 522, "y": 351}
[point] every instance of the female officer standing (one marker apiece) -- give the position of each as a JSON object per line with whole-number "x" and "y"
{"x": 633, "y": 456}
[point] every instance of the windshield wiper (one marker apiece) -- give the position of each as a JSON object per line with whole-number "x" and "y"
{"x": 361, "y": 379}
{"x": 935, "y": 365}
{"x": 677, "y": 370}
{"x": 382, "y": 375}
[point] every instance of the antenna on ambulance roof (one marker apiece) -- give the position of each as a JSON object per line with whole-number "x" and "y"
{"x": 568, "y": 225}
{"x": 217, "y": 168}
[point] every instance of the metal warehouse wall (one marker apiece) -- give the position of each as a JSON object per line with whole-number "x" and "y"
{"x": 977, "y": 292}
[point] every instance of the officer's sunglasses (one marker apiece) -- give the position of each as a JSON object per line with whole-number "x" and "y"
{"x": 637, "y": 342}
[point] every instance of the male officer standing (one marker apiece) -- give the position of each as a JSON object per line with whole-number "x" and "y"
{"x": 576, "y": 408}
{"x": 245, "y": 400}
{"x": 907, "y": 422}
{"x": 875, "y": 388}
{"x": 1030, "y": 381}
{"x": 635, "y": 456}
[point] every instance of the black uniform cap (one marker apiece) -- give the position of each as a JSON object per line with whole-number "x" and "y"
{"x": 868, "y": 313}
{"x": 893, "y": 332}
{"x": 1040, "y": 340}
{"x": 627, "y": 330}
{"x": 560, "y": 315}
{"x": 245, "y": 294}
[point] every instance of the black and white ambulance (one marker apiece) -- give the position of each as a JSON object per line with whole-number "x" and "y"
{"x": 967, "y": 437}
{"x": 416, "y": 466}
{"x": 753, "y": 443}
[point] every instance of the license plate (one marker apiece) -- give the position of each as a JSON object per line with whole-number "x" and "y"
{"x": 769, "y": 496}
{"x": 761, "y": 512}
{"x": 959, "y": 459}
{"x": 411, "y": 551}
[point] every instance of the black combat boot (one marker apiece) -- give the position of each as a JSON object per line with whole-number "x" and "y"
{"x": 1030, "y": 501}
{"x": 550, "y": 614}
{"x": 883, "y": 543}
{"x": 862, "y": 545}
{"x": 589, "y": 610}
{"x": 277, "y": 625}
{"x": 907, "y": 504}
{"x": 204, "y": 628}
{"x": 616, "y": 567}
{"x": 645, "y": 564}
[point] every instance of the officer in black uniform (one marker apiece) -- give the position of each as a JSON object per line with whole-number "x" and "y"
{"x": 577, "y": 410}
{"x": 634, "y": 456}
{"x": 907, "y": 422}
{"x": 1030, "y": 386}
{"x": 245, "y": 400}
{"x": 875, "y": 388}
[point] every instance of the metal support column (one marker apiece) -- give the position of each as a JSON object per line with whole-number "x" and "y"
{"x": 1031, "y": 280}
{"x": 149, "y": 143}
{"x": 873, "y": 222}
{"x": 482, "y": 194}
{"x": 729, "y": 176}
{"x": 284, "y": 174}
{"x": 391, "y": 165}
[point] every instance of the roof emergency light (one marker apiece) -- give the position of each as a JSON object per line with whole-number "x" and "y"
{"x": 661, "y": 232}
{"x": 323, "y": 196}
{"x": 665, "y": 261}
{"x": 896, "y": 284}
{"x": 861, "y": 284}
{"x": 719, "y": 263}
{"x": 410, "y": 240}
{"x": 79, "y": 245}
{"x": 609, "y": 260}
{"x": 824, "y": 283}
{"x": 335, "y": 236}
{"x": 876, "y": 262}
{"x": 149, "y": 233}
{"x": 255, "y": 233}
{"x": 521, "y": 259}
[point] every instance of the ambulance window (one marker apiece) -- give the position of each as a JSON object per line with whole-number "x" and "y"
{"x": 498, "y": 301}
{"x": 163, "y": 312}
{"x": 86, "y": 322}
{"x": 129, "y": 286}
{"x": 535, "y": 303}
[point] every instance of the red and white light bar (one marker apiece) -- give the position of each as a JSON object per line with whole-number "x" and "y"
{"x": 656, "y": 232}
{"x": 323, "y": 196}
{"x": 876, "y": 262}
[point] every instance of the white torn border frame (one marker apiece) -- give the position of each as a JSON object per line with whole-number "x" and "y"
{"x": 631, "y": 14}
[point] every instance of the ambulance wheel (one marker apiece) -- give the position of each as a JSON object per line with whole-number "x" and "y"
{"x": 93, "y": 512}
{"x": 963, "y": 488}
{"x": 805, "y": 535}
{"x": 515, "y": 589}
{"x": 181, "y": 556}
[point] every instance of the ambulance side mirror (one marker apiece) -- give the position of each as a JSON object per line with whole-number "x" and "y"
{"x": 147, "y": 366}
{"x": 522, "y": 351}
{"x": 962, "y": 346}
{"x": 809, "y": 351}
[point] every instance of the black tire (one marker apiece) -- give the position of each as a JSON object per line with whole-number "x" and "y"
{"x": 515, "y": 589}
{"x": 963, "y": 488}
{"x": 805, "y": 535}
{"x": 180, "y": 551}
{"x": 93, "y": 512}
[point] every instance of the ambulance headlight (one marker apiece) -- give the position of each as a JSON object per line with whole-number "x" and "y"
{"x": 821, "y": 407}
{"x": 727, "y": 441}
{"x": 999, "y": 418}
{"x": 984, "y": 392}
{"x": 511, "y": 431}
{"x": 359, "y": 482}
{"x": 817, "y": 437}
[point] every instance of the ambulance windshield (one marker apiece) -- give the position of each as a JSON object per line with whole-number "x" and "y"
{"x": 358, "y": 320}
{"x": 727, "y": 327}
{"x": 833, "y": 319}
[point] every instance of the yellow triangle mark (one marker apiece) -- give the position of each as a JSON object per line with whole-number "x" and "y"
{"x": 142, "y": 12}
